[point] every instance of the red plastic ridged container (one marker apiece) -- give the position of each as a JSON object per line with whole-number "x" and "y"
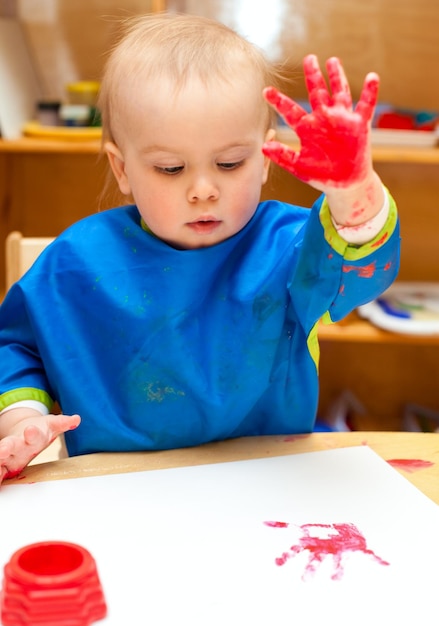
{"x": 51, "y": 583}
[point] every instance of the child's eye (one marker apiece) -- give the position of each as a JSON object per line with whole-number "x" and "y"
{"x": 230, "y": 166}
{"x": 170, "y": 171}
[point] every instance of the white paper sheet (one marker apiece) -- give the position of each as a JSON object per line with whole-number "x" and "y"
{"x": 226, "y": 544}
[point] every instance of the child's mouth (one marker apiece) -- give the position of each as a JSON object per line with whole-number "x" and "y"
{"x": 204, "y": 226}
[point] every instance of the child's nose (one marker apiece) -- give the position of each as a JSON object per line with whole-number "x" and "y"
{"x": 203, "y": 188}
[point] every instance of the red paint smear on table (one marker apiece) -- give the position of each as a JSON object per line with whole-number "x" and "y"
{"x": 339, "y": 540}
{"x": 366, "y": 271}
{"x": 290, "y": 438}
{"x": 410, "y": 465}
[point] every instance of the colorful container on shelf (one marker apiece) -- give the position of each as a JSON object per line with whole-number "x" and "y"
{"x": 83, "y": 92}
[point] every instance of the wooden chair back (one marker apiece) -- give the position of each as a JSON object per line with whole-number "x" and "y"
{"x": 21, "y": 252}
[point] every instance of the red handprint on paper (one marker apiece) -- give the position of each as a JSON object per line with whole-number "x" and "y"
{"x": 338, "y": 540}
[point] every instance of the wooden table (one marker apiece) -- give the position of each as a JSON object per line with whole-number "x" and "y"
{"x": 389, "y": 445}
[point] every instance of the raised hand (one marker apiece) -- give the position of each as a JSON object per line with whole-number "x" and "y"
{"x": 334, "y": 136}
{"x": 28, "y": 438}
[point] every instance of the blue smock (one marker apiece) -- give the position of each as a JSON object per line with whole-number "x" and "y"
{"x": 162, "y": 348}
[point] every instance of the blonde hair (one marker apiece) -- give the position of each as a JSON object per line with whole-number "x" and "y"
{"x": 179, "y": 47}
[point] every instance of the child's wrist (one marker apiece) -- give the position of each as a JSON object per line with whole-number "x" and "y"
{"x": 356, "y": 204}
{"x": 366, "y": 231}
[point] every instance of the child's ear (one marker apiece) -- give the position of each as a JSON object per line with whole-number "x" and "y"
{"x": 270, "y": 135}
{"x": 117, "y": 164}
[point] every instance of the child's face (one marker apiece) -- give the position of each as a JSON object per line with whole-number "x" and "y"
{"x": 192, "y": 160}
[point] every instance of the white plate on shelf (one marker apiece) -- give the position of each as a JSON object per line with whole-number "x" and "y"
{"x": 410, "y": 308}
{"x": 408, "y": 138}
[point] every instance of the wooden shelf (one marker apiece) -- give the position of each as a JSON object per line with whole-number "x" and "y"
{"x": 394, "y": 154}
{"x": 381, "y": 154}
{"x": 27, "y": 145}
{"x": 355, "y": 329}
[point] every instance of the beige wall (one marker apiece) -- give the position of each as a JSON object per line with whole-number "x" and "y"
{"x": 399, "y": 39}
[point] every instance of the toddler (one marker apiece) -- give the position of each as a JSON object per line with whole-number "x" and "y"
{"x": 190, "y": 315}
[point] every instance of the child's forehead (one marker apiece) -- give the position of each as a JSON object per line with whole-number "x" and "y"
{"x": 221, "y": 74}
{"x": 164, "y": 110}
{"x": 167, "y": 91}
{"x": 162, "y": 93}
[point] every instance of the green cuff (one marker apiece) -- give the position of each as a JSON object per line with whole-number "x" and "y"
{"x": 351, "y": 252}
{"x": 25, "y": 393}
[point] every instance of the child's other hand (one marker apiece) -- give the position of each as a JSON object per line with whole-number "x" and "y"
{"x": 30, "y": 436}
{"x": 334, "y": 136}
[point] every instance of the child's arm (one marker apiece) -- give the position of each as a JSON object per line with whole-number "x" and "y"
{"x": 24, "y": 433}
{"x": 335, "y": 153}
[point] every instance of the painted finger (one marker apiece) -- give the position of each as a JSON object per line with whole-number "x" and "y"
{"x": 287, "y": 108}
{"x": 315, "y": 83}
{"x": 281, "y": 155}
{"x": 369, "y": 96}
{"x": 341, "y": 92}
